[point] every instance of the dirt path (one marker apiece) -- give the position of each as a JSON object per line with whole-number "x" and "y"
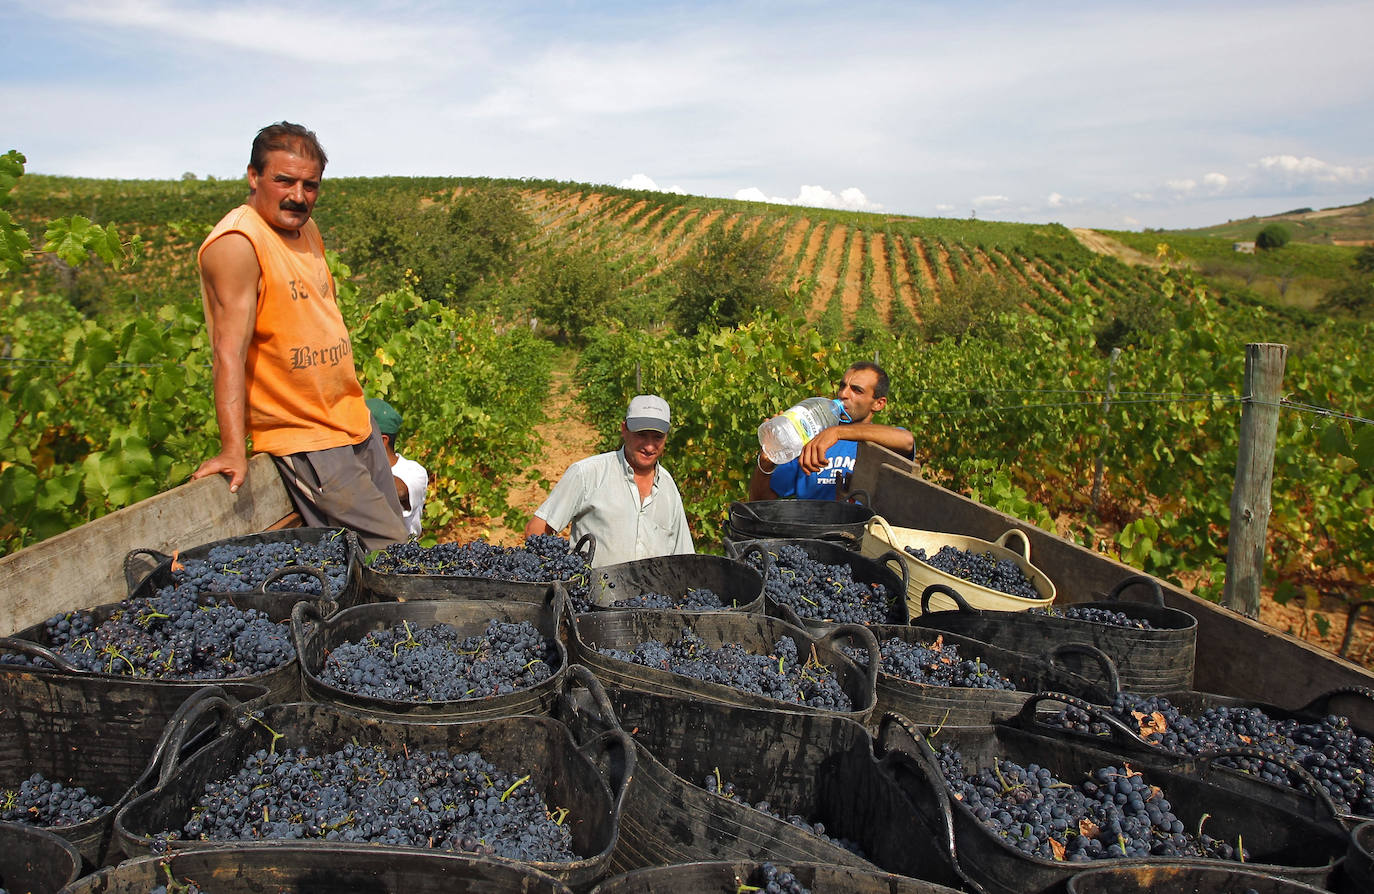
{"x": 567, "y": 438}
{"x": 1105, "y": 245}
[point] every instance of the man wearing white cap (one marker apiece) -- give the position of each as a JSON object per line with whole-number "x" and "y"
{"x": 624, "y": 498}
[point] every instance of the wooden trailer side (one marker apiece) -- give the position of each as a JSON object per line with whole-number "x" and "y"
{"x": 84, "y": 567}
{"x": 1235, "y": 656}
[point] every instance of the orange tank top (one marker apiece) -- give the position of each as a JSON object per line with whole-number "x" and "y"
{"x": 303, "y": 391}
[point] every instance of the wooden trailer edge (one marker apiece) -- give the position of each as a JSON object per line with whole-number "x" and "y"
{"x": 84, "y": 566}
{"x": 1235, "y": 655}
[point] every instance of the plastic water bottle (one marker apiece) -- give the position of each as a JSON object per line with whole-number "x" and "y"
{"x": 783, "y": 436}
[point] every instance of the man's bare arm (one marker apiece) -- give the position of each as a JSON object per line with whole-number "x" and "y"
{"x": 760, "y": 484}
{"x": 813, "y": 456}
{"x": 538, "y": 526}
{"x": 230, "y": 272}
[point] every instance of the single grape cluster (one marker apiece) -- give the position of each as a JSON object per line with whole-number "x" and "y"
{"x": 39, "y": 801}
{"x": 782, "y": 675}
{"x": 176, "y": 634}
{"x": 932, "y": 664}
{"x": 437, "y": 663}
{"x": 544, "y": 557}
{"x": 429, "y": 799}
{"x": 983, "y": 569}
{"x": 820, "y": 591}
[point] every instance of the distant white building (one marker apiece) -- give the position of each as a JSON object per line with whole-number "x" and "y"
{"x": 1243, "y": 247}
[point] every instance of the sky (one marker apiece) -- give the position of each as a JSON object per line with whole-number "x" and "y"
{"x": 1110, "y": 115}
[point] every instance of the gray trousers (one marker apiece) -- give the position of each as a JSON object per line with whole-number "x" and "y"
{"x": 350, "y": 487}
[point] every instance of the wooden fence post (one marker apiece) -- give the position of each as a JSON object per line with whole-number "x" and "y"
{"x": 1250, "y": 498}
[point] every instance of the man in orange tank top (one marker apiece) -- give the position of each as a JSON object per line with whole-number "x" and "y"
{"x": 283, "y": 361}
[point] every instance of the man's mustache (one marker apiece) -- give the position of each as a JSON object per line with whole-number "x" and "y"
{"x": 288, "y": 205}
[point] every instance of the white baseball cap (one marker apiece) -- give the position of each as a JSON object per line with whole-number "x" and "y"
{"x": 648, "y": 412}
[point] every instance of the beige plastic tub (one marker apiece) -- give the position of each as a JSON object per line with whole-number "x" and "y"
{"x": 879, "y": 537}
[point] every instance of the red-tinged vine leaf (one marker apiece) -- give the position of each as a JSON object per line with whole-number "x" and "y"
{"x": 176, "y": 564}
{"x": 1057, "y": 847}
{"x": 938, "y": 644}
{"x": 1130, "y": 772}
{"x": 1246, "y": 739}
{"x": 1088, "y": 829}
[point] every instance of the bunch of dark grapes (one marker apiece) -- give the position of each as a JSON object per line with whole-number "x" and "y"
{"x": 696, "y": 599}
{"x": 428, "y": 799}
{"x": 983, "y": 569}
{"x": 770, "y": 878}
{"x": 781, "y": 675}
{"x": 437, "y": 663}
{"x": 1113, "y": 813}
{"x": 727, "y": 789}
{"x": 544, "y": 557}
{"x": 230, "y": 568}
{"x": 1093, "y": 615}
{"x": 1330, "y": 749}
{"x": 826, "y": 592}
{"x": 935, "y": 664}
{"x": 38, "y": 801}
{"x": 172, "y": 635}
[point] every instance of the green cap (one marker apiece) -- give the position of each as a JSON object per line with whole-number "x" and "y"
{"x": 388, "y": 420}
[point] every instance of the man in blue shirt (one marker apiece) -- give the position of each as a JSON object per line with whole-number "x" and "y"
{"x": 815, "y": 474}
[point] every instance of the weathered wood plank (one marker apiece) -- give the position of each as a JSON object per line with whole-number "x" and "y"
{"x": 85, "y": 566}
{"x": 1235, "y": 655}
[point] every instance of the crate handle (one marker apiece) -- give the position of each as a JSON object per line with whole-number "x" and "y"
{"x": 902, "y": 568}
{"x": 589, "y": 539}
{"x": 1121, "y": 734}
{"x": 303, "y": 612}
{"x": 157, "y": 556}
{"x": 1138, "y": 580}
{"x": 187, "y": 717}
{"x": 37, "y": 650}
{"x": 1103, "y": 660}
{"x": 743, "y": 509}
{"x": 326, "y": 594}
{"x": 866, "y": 639}
{"x": 1018, "y": 533}
{"x": 1322, "y": 703}
{"x": 952, "y": 593}
{"x": 1293, "y": 768}
{"x": 888, "y": 534}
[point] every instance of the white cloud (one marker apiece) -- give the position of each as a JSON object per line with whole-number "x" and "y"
{"x": 1290, "y": 171}
{"x": 1215, "y": 182}
{"x": 1054, "y": 200}
{"x": 983, "y": 201}
{"x": 851, "y": 199}
{"x": 944, "y": 207}
{"x": 644, "y": 181}
{"x": 1182, "y": 186}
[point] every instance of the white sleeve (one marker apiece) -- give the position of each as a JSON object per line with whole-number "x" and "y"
{"x": 565, "y": 501}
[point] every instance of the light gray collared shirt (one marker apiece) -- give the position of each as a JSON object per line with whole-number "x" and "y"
{"x": 598, "y": 495}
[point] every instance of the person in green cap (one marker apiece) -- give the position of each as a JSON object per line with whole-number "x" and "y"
{"x": 410, "y": 477}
